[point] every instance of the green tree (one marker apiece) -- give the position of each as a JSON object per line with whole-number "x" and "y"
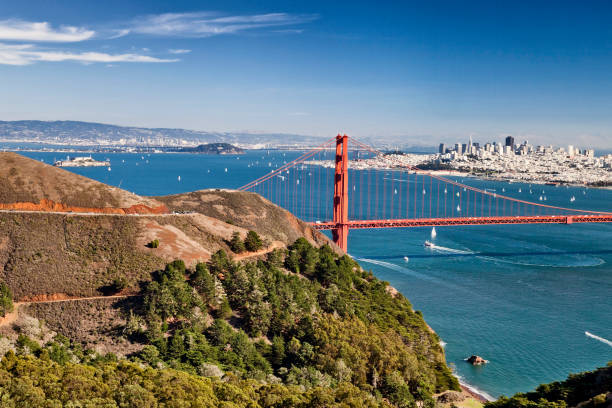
{"x": 253, "y": 242}
{"x": 236, "y": 243}
{"x": 225, "y": 310}
{"x": 276, "y": 258}
{"x": 204, "y": 283}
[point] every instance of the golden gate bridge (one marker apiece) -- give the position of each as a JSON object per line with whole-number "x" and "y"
{"x": 330, "y": 192}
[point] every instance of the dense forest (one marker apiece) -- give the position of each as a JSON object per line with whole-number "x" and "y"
{"x": 304, "y": 327}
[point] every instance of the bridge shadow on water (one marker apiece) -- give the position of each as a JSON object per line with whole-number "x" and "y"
{"x": 487, "y": 254}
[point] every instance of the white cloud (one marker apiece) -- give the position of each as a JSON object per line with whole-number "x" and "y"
{"x": 186, "y": 25}
{"x": 26, "y": 54}
{"x": 18, "y": 30}
{"x": 119, "y": 33}
{"x": 205, "y": 24}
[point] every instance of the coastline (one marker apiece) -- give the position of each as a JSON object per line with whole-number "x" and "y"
{"x": 474, "y": 392}
{"x": 468, "y": 390}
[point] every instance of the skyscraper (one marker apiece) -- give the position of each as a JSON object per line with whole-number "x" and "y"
{"x": 442, "y": 149}
{"x": 510, "y": 141}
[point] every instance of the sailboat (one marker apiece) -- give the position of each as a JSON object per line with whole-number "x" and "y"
{"x": 179, "y": 178}
{"x": 433, "y": 233}
{"x": 572, "y": 199}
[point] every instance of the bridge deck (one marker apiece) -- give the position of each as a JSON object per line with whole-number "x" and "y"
{"x": 435, "y": 222}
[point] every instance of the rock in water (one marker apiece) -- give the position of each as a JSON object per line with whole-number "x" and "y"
{"x": 476, "y": 360}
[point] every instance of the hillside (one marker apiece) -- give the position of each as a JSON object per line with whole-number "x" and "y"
{"x": 234, "y": 288}
{"x": 24, "y": 180}
{"x": 246, "y": 210}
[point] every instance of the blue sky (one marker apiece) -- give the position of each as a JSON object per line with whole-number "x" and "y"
{"x": 421, "y": 71}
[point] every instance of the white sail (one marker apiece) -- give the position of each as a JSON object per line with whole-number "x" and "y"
{"x": 433, "y": 232}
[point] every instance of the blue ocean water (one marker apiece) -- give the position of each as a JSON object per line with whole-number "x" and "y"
{"x": 520, "y": 296}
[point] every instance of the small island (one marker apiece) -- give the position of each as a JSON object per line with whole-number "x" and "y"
{"x": 213, "y": 148}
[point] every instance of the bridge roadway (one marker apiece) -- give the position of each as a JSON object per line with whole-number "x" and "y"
{"x": 441, "y": 222}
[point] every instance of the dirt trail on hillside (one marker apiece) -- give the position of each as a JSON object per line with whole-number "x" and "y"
{"x": 265, "y": 251}
{"x": 12, "y": 317}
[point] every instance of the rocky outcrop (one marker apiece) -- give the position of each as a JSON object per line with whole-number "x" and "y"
{"x": 450, "y": 397}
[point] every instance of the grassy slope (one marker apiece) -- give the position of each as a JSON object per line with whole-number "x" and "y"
{"x": 247, "y": 210}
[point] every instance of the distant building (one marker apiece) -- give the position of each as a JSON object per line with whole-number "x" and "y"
{"x": 442, "y": 149}
{"x": 458, "y": 148}
{"x": 510, "y": 141}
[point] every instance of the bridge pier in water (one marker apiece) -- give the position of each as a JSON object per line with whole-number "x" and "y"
{"x": 340, "y": 232}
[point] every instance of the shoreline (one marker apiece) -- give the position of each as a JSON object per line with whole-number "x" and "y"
{"x": 475, "y": 392}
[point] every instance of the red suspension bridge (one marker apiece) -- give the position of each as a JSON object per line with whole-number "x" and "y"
{"x": 331, "y": 191}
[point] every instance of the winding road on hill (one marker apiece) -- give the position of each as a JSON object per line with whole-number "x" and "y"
{"x": 95, "y": 213}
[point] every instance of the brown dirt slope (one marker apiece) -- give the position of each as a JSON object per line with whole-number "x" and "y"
{"x": 29, "y": 181}
{"x": 246, "y": 210}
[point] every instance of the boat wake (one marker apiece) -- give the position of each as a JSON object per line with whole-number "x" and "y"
{"x": 401, "y": 269}
{"x": 554, "y": 262}
{"x": 593, "y": 336}
{"x": 450, "y": 250}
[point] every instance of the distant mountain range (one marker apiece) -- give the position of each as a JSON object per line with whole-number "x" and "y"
{"x": 88, "y": 133}
{"x": 67, "y": 132}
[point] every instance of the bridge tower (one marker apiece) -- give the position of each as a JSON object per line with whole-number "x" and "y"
{"x": 340, "y": 231}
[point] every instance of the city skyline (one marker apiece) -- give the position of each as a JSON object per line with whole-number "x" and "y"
{"x": 439, "y": 72}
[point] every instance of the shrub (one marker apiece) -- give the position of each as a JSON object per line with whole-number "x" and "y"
{"x": 119, "y": 283}
{"x": 153, "y": 244}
